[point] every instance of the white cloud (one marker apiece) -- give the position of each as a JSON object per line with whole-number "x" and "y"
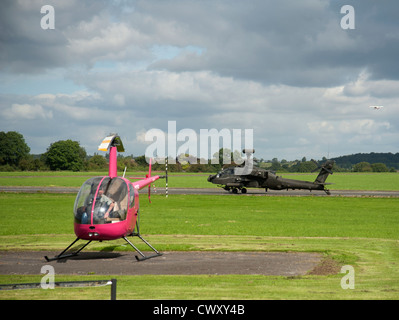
{"x": 113, "y": 42}
{"x": 285, "y": 69}
{"x": 27, "y": 111}
{"x": 364, "y": 126}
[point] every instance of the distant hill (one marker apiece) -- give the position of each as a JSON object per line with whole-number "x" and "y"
{"x": 391, "y": 160}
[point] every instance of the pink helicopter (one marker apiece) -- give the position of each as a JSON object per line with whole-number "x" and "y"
{"x": 107, "y": 207}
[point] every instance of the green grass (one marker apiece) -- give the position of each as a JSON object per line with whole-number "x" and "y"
{"x": 341, "y": 181}
{"x": 361, "y": 232}
{"x": 273, "y": 216}
{"x": 355, "y": 181}
{"x": 26, "y": 214}
{"x": 375, "y": 262}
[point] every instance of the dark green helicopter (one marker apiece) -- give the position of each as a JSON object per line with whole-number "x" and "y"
{"x": 241, "y": 177}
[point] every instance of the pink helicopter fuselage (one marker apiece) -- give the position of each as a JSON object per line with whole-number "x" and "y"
{"x": 109, "y": 231}
{"x": 90, "y": 230}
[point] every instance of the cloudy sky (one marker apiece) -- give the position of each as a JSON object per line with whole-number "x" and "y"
{"x": 292, "y": 71}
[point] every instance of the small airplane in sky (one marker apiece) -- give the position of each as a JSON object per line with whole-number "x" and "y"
{"x": 107, "y": 207}
{"x": 376, "y": 107}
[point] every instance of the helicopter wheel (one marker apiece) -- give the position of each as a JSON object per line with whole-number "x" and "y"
{"x": 243, "y": 190}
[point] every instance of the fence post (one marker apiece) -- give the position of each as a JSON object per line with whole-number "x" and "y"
{"x": 113, "y": 289}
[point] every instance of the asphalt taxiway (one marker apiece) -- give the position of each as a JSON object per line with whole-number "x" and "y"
{"x": 219, "y": 191}
{"x": 170, "y": 263}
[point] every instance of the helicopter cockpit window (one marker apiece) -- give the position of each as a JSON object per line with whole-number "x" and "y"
{"x": 226, "y": 172}
{"x": 102, "y": 200}
{"x": 84, "y": 200}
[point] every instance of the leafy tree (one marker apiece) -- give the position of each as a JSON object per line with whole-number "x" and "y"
{"x": 65, "y": 155}
{"x": 389, "y": 159}
{"x": 141, "y": 160}
{"x": 379, "y": 167}
{"x": 223, "y": 156}
{"x": 276, "y": 166}
{"x": 97, "y": 162}
{"x": 13, "y": 148}
{"x": 126, "y": 162}
{"x": 362, "y": 167}
{"x": 31, "y": 164}
{"x": 307, "y": 166}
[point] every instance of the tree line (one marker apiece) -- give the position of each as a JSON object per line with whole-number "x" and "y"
{"x": 69, "y": 155}
{"x": 365, "y": 161}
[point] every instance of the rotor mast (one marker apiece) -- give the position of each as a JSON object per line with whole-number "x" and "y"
{"x": 113, "y": 143}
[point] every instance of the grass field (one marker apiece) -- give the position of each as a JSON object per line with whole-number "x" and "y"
{"x": 340, "y": 181}
{"x": 361, "y": 232}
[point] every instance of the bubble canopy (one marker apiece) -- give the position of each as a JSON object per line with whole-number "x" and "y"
{"x": 103, "y": 200}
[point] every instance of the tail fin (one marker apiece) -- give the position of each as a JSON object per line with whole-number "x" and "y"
{"x": 146, "y": 181}
{"x": 326, "y": 169}
{"x": 149, "y": 170}
{"x": 149, "y": 186}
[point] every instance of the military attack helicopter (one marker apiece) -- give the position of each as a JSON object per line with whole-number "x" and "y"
{"x": 240, "y": 178}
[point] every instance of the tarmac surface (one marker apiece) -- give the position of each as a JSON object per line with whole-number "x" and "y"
{"x": 170, "y": 263}
{"x": 219, "y": 191}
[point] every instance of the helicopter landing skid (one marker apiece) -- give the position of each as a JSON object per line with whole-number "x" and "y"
{"x": 143, "y": 257}
{"x": 62, "y": 256}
